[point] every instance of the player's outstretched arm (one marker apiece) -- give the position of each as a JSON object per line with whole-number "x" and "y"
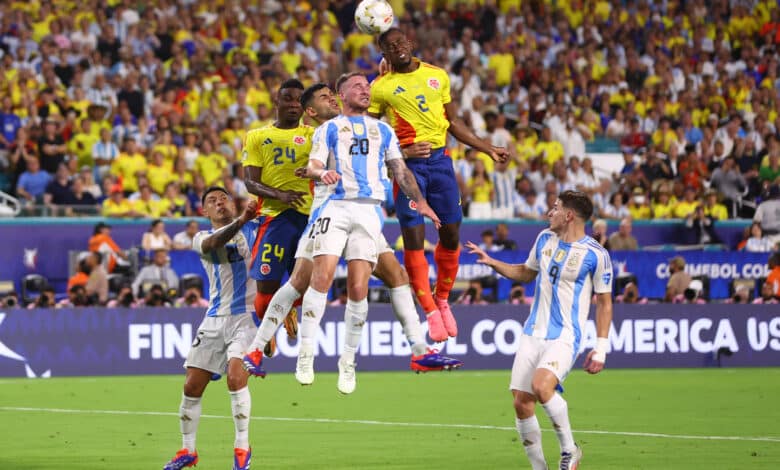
{"x": 220, "y": 237}
{"x": 596, "y": 358}
{"x": 461, "y": 132}
{"x": 515, "y": 272}
{"x": 408, "y": 184}
{"x": 253, "y": 184}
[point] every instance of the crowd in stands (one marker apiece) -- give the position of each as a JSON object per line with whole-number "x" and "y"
{"x": 132, "y": 109}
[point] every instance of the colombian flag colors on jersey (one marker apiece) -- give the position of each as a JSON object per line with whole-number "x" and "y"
{"x": 279, "y": 152}
{"x": 414, "y": 103}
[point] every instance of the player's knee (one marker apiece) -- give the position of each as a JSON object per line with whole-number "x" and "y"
{"x": 194, "y": 388}
{"x": 236, "y": 381}
{"x": 524, "y": 405}
{"x": 543, "y": 389}
{"x": 356, "y": 291}
{"x": 449, "y": 236}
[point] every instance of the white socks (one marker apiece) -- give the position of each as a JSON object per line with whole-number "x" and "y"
{"x": 404, "y": 309}
{"x": 531, "y": 437}
{"x": 280, "y": 306}
{"x": 354, "y": 318}
{"x": 189, "y": 417}
{"x": 558, "y": 411}
{"x": 313, "y": 309}
{"x": 241, "y": 404}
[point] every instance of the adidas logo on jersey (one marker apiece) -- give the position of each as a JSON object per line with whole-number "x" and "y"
{"x": 399, "y": 90}
{"x": 309, "y": 314}
{"x": 267, "y": 141}
{"x": 345, "y": 129}
{"x": 273, "y": 320}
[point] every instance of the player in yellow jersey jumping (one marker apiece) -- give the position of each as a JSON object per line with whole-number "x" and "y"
{"x": 271, "y": 154}
{"x": 415, "y": 96}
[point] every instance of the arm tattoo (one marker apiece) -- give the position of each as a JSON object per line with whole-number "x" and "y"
{"x": 405, "y": 179}
{"x": 220, "y": 238}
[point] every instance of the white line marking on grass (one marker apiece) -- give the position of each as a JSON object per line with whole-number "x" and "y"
{"x": 390, "y": 423}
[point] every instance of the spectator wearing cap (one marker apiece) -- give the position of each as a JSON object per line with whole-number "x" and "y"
{"x": 712, "y": 207}
{"x": 687, "y": 205}
{"x": 679, "y": 280}
{"x": 654, "y": 168}
{"x": 622, "y": 240}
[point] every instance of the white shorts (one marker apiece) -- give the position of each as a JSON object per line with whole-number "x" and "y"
{"x": 538, "y": 353}
{"x": 220, "y": 339}
{"x": 306, "y": 246}
{"x": 351, "y": 229}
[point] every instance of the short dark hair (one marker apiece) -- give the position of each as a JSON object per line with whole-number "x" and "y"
{"x": 343, "y": 78}
{"x": 382, "y": 39}
{"x": 291, "y": 83}
{"x": 577, "y": 201}
{"x": 211, "y": 190}
{"x": 308, "y": 94}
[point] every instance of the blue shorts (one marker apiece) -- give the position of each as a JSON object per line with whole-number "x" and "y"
{"x": 273, "y": 253}
{"x": 436, "y": 178}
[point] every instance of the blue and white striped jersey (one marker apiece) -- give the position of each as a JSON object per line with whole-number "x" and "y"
{"x": 569, "y": 274}
{"x": 231, "y": 291}
{"x": 357, "y": 147}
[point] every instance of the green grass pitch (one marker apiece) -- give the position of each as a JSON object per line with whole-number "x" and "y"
{"x": 623, "y": 419}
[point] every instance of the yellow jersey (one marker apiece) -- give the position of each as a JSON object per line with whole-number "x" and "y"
{"x": 127, "y": 167}
{"x": 112, "y": 209}
{"x": 278, "y": 152}
{"x": 159, "y": 176}
{"x": 210, "y": 167}
{"x": 414, "y": 103}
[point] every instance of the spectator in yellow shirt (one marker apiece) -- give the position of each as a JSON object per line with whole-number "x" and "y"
{"x": 638, "y": 206}
{"x": 147, "y": 205}
{"x": 480, "y": 189}
{"x": 159, "y": 172}
{"x": 210, "y": 164}
{"x": 712, "y": 207}
{"x": 116, "y": 205}
{"x": 687, "y": 205}
{"x": 662, "y": 207}
{"x": 128, "y": 165}
{"x": 550, "y": 150}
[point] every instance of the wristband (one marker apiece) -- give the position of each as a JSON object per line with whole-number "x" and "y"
{"x": 602, "y": 345}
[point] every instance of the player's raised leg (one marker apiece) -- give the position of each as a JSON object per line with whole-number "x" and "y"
{"x": 390, "y": 271}
{"x": 281, "y": 303}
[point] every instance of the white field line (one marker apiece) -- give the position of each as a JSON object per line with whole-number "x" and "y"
{"x": 389, "y": 423}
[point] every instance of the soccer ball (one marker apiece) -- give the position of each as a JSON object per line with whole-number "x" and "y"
{"x": 374, "y": 16}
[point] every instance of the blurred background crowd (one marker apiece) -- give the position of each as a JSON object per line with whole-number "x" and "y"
{"x": 131, "y": 109}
